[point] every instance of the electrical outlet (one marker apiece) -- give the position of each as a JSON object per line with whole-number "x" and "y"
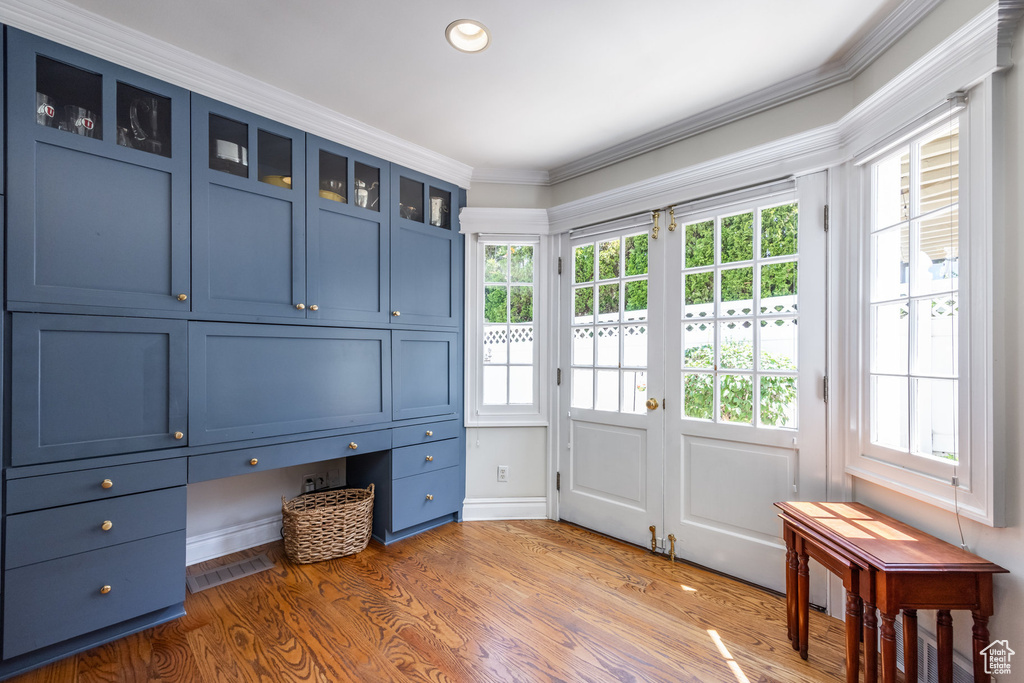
{"x": 308, "y": 483}
{"x": 321, "y": 481}
{"x": 502, "y": 472}
{"x": 333, "y": 478}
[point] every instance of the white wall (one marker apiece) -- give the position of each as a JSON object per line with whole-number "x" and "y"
{"x": 524, "y": 450}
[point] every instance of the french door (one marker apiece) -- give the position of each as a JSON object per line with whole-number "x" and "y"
{"x": 731, "y": 417}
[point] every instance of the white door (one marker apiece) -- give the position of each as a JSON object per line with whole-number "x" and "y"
{"x": 611, "y": 459}
{"x": 746, "y": 354}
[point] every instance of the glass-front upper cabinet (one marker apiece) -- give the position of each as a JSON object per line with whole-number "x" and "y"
{"x": 248, "y": 213}
{"x": 347, "y": 240}
{"x": 98, "y": 161}
{"x": 426, "y": 250}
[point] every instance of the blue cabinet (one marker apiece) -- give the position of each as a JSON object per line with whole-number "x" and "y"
{"x": 84, "y": 386}
{"x": 426, "y": 250}
{"x": 98, "y": 211}
{"x": 425, "y": 374}
{"x": 248, "y": 214}
{"x": 347, "y": 242}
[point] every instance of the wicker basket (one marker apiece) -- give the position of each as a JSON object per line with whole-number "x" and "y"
{"x": 326, "y": 525}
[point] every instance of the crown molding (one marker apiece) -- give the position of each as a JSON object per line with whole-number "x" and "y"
{"x": 511, "y": 176}
{"x": 75, "y": 27}
{"x": 503, "y": 221}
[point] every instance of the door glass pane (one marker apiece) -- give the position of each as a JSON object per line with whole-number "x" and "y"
{"x": 68, "y": 98}
{"x": 778, "y": 343}
{"x": 275, "y": 159}
{"x": 410, "y": 199}
{"x": 520, "y": 385}
{"x": 143, "y": 120}
{"x": 737, "y": 238}
{"x": 608, "y": 345}
{"x": 583, "y": 298}
{"x": 937, "y": 351}
{"x": 583, "y": 346}
{"x": 583, "y": 267}
{"x": 698, "y": 395}
{"x": 736, "y": 398}
{"x": 892, "y": 189}
{"x": 779, "y": 287}
{"x": 495, "y": 385}
{"x": 521, "y": 304}
{"x": 582, "y": 388}
{"x": 779, "y": 231}
{"x": 333, "y": 177}
{"x": 608, "y": 302}
{"x": 700, "y": 244}
{"x": 634, "y": 346}
{"x": 229, "y": 146}
{"x": 367, "y": 187}
{"x": 777, "y": 406}
{"x": 440, "y": 208}
{"x": 636, "y": 254}
{"x": 698, "y": 345}
{"x": 609, "y": 260}
{"x": 737, "y": 292}
{"x": 636, "y": 300}
{"x": 522, "y": 264}
{"x": 607, "y": 397}
{"x": 889, "y": 412}
{"x": 737, "y": 345}
{"x": 935, "y": 418}
{"x": 634, "y": 391}
{"x": 699, "y": 295}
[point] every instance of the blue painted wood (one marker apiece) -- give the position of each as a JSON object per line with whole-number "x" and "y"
{"x": 426, "y": 261}
{"x": 92, "y": 222}
{"x": 428, "y": 457}
{"x": 426, "y": 433}
{"x": 250, "y": 381}
{"x": 37, "y": 493}
{"x": 248, "y": 236}
{"x": 48, "y": 602}
{"x": 424, "y": 373}
{"x": 348, "y": 261}
{"x": 411, "y": 504}
{"x": 84, "y": 386}
{"x": 48, "y": 534}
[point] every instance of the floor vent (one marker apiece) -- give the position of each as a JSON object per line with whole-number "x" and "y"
{"x": 229, "y": 572}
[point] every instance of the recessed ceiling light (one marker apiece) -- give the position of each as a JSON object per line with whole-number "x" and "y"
{"x": 467, "y": 35}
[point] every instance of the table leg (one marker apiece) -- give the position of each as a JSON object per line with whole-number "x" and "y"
{"x": 854, "y": 610}
{"x": 944, "y": 626}
{"x": 910, "y": 645}
{"x": 870, "y": 639}
{"x": 803, "y": 588}
{"x": 888, "y": 648}
{"x": 791, "y": 596}
{"x": 981, "y": 641}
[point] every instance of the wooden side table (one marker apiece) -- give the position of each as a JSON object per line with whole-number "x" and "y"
{"x": 885, "y": 563}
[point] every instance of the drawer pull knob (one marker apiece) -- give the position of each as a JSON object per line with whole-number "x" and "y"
{"x": 182, "y": 297}
{"x": 254, "y": 461}
{"x": 430, "y": 496}
{"x": 301, "y": 307}
{"x": 396, "y": 313}
{"x": 105, "y": 590}
{"x": 430, "y": 433}
{"x": 430, "y": 458}
{"x": 179, "y": 435}
{"x": 107, "y": 525}
{"x": 353, "y": 445}
{"x": 314, "y": 307}
{"x": 106, "y": 483}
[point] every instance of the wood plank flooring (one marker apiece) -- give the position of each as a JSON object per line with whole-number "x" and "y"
{"x": 473, "y": 602}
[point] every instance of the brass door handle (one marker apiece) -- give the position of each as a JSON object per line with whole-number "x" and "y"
{"x": 430, "y": 433}
{"x": 182, "y": 297}
{"x": 106, "y": 483}
{"x": 652, "y": 403}
{"x": 353, "y": 445}
{"x": 107, "y": 525}
{"x": 314, "y": 307}
{"x": 179, "y": 435}
{"x": 430, "y": 496}
{"x": 254, "y": 462}
{"x": 430, "y": 458}
{"x": 301, "y": 307}
{"x": 105, "y": 590}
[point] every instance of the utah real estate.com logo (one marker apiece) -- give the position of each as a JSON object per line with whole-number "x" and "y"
{"x": 997, "y": 657}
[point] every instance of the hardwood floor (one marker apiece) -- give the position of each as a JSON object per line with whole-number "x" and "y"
{"x": 474, "y": 602}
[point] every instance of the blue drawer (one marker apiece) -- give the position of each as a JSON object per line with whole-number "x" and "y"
{"x": 51, "y": 490}
{"x": 48, "y": 534}
{"x": 48, "y": 602}
{"x": 427, "y": 457}
{"x": 425, "y": 496}
{"x": 426, "y": 433}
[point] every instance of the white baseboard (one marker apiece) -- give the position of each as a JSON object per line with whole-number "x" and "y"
{"x": 222, "y": 542}
{"x": 483, "y": 509}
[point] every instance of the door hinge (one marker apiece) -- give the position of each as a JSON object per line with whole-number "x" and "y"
{"x": 558, "y": 481}
{"x": 558, "y": 377}
{"x": 826, "y": 218}
{"x": 559, "y": 265}
{"x": 824, "y": 384}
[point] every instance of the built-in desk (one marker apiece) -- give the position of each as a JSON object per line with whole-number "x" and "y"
{"x": 890, "y": 565}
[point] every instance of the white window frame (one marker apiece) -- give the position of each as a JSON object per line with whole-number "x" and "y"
{"x": 978, "y": 493}
{"x": 477, "y": 413}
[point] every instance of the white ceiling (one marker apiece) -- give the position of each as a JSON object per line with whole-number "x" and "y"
{"x": 562, "y": 80}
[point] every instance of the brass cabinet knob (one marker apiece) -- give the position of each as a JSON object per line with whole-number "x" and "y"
{"x": 430, "y": 458}
{"x": 107, "y": 525}
{"x": 314, "y": 307}
{"x": 396, "y": 313}
{"x": 106, "y": 483}
{"x": 353, "y": 445}
{"x": 430, "y": 496}
{"x": 182, "y": 297}
{"x": 430, "y": 433}
{"x": 105, "y": 590}
{"x": 652, "y": 403}
{"x": 301, "y": 307}
{"x": 179, "y": 435}
{"x": 254, "y": 461}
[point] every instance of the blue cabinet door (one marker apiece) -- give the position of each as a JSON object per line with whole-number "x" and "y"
{"x": 425, "y": 374}
{"x": 252, "y": 381}
{"x": 248, "y": 213}
{"x": 426, "y": 250}
{"x": 347, "y": 241}
{"x": 83, "y": 386}
{"x": 99, "y": 203}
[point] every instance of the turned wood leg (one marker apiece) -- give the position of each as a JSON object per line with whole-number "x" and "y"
{"x": 803, "y": 588}
{"x": 791, "y": 596}
{"x": 854, "y": 609}
{"x": 944, "y": 626}
{"x": 870, "y": 639}
{"x": 910, "y": 645}
{"x": 981, "y": 641}
{"x": 888, "y": 648}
